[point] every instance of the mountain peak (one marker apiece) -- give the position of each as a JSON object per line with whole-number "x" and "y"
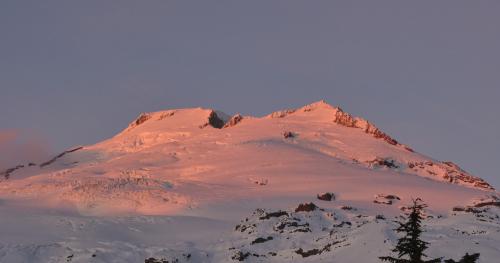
{"x": 318, "y": 104}
{"x": 361, "y": 141}
{"x": 200, "y": 117}
{"x": 170, "y": 160}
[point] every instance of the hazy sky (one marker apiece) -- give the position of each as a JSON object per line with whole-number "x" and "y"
{"x": 426, "y": 72}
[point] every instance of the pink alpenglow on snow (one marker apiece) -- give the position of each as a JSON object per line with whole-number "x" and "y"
{"x": 198, "y": 185}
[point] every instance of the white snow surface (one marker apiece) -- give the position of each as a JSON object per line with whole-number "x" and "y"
{"x": 171, "y": 186}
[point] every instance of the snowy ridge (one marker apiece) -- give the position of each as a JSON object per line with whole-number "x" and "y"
{"x": 342, "y": 118}
{"x": 197, "y": 173}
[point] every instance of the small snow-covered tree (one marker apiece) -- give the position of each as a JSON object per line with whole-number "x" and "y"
{"x": 410, "y": 248}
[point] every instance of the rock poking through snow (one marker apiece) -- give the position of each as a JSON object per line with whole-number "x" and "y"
{"x": 386, "y": 199}
{"x": 326, "y": 196}
{"x": 234, "y": 121}
{"x": 306, "y": 207}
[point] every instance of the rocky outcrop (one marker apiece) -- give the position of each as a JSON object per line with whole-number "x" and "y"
{"x": 383, "y": 162}
{"x": 319, "y": 231}
{"x": 484, "y": 209}
{"x": 449, "y": 172}
{"x": 154, "y": 260}
{"x": 281, "y": 113}
{"x": 240, "y": 256}
{"x": 166, "y": 114}
{"x": 6, "y": 174}
{"x": 386, "y": 199}
{"x": 143, "y": 117}
{"x": 59, "y": 156}
{"x": 342, "y": 118}
{"x": 233, "y": 121}
{"x": 326, "y": 196}
{"x": 307, "y": 207}
{"x": 487, "y": 201}
{"x": 288, "y": 135}
{"x": 260, "y": 240}
{"x": 215, "y": 121}
{"x": 185, "y": 257}
{"x": 273, "y": 214}
{"x": 346, "y": 119}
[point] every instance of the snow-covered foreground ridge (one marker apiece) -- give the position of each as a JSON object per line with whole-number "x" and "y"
{"x": 176, "y": 183}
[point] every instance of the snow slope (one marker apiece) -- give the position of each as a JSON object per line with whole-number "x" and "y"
{"x": 175, "y": 184}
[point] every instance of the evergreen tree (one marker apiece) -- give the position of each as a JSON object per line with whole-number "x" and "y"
{"x": 410, "y": 245}
{"x": 465, "y": 259}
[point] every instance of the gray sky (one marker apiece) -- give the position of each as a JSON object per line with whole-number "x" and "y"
{"x": 426, "y": 72}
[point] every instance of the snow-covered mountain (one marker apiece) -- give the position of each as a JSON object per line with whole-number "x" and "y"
{"x": 175, "y": 184}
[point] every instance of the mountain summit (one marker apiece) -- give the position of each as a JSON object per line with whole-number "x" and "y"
{"x": 190, "y": 175}
{"x": 149, "y": 165}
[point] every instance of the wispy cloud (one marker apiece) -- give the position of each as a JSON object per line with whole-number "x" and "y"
{"x": 7, "y": 136}
{"x": 20, "y": 147}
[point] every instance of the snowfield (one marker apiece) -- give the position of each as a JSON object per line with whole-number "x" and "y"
{"x": 196, "y": 185}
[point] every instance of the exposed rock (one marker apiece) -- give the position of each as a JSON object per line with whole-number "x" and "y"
{"x": 315, "y": 251}
{"x": 316, "y": 105}
{"x": 233, "y": 121}
{"x": 385, "y": 199}
{"x": 450, "y": 172}
{"x": 273, "y": 214}
{"x": 294, "y": 224}
{"x": 261, "y": 240}
{"x": 261, "y": 181}
{"x": 59, "y": 156}
{"x": 143, "y": 117}
{"x": 473, "y": 210}
{"x": 308, "y": 253}
{"x": 343, "y": 223}
{"x": 240, "y": 256}
{"x": 326, "y": 196}
{"x": 346, "y": 119}
{"x": 488, "y": 201}
{"x": 215, "y": 121}
{"x": 380, "y": 135}
{"x": 307, "y": 207}
{"x": 288, "y": 134}
{"x": 465, "y": 259}
{"x": 408, "y": 148}
{"x": 484, "y": 209}
{"x": 392, "y": 197}
{"x": 492, "y": 203}
{"x": 166, "y": 115}
{"x": 385, "y": 202}
{"x": 387, "y": 162}
{"x": 6, "y": 174}
{"x": 281, "y": 113}
{"x": 318, "y": 231}
{"x": 154, "y": 260}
